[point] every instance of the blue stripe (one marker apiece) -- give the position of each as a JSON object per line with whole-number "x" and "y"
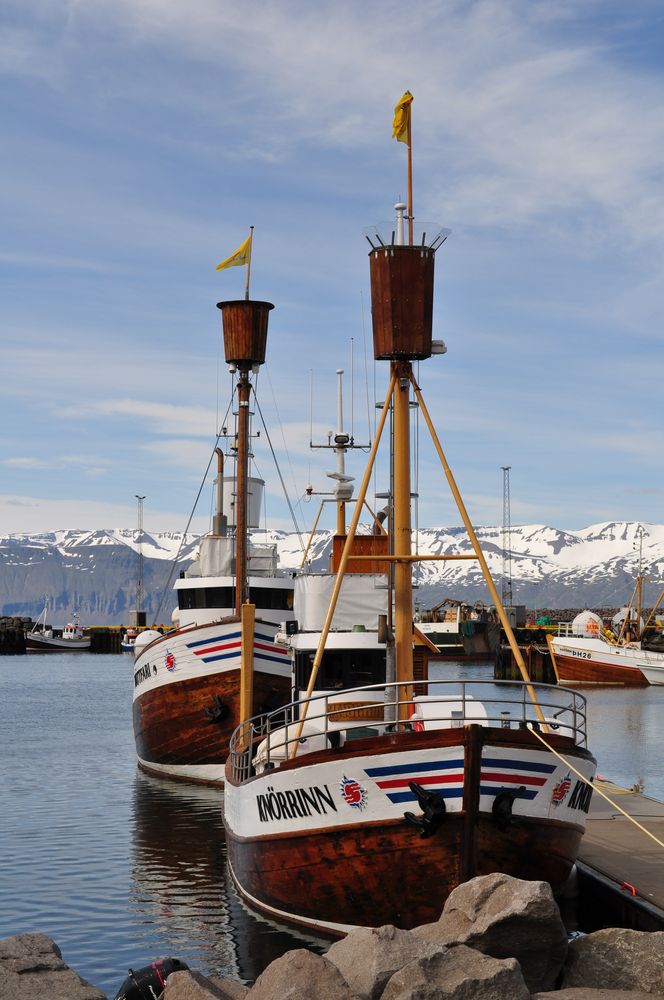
{"x": 434, "y": 765}
{"x": 494, "y": 789}
{"x": 226, "y": 637}
{"x": 452, "y": 793}
{"x": 521, "y": 765}
{"x": 220, "y": 656}
{"x": 272, "y": 659}
{"x": 236, "y": 652}
{"x": 217, "y": 638}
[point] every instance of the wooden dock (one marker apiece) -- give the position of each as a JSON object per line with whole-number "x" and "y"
{"x": 621, "y": 869}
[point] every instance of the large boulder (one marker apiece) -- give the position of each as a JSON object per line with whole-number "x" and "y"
{"x": 31, "y": 968}
{"x": 369, "y": 956}
{"x": 188, "y": 985}
{"x": 617, "y": 959}
{"x": 300, "y": 975}
{"x": 458, "y": 973}
{"x": 506, "y": 917}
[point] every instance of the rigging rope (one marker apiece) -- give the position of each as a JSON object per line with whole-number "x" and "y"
{"x": 174, "y": 563}
{"x": 281, "y": 478}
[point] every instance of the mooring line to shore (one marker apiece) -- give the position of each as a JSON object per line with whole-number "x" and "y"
{"x": 596, "y": 789}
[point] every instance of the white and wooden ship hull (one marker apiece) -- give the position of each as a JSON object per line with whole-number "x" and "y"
{"x": 186, "y": 696}
{"x": 595, "y": 661}
{"x": 323, "y": 841}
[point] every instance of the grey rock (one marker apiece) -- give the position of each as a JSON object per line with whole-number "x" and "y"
{"x": 300, "y": 975}
{"x": 369, "y": 956}
{"x": 587, "y": 993}
{"x": 458, "y": 973}
{"x": 229, "y": 987}
{"x": 31, "y": 968}
{"x": 187, "y": 985}
{"x": 506, "y": 917}
{"x": 619, "y": 959}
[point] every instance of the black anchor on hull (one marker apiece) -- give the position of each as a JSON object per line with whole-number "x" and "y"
{"x": 501, "y": 809}
{"x": 219, "y": 710}
{"x": 433, "y": 809}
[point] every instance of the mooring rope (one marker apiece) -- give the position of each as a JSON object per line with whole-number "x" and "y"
{"x": 596, "y": 789}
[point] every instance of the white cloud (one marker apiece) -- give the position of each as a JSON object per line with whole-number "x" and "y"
{"x": 32, "y": 514}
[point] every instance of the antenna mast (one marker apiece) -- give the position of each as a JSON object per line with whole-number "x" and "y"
{"x": 507, "y": 527}
{"x": 139, "y": 576}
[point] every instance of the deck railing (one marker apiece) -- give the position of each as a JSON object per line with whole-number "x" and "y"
{"x": 265, "y": 741}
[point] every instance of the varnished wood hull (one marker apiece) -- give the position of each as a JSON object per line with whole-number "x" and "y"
{"x": 377, "y": 869}
{"x": 388, "y": 874}
{"x": 175, "y": 735}
{"x": 591, "y": 661}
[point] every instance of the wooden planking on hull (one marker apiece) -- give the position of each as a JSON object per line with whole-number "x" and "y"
{"x": 576, "y": 671}
{"x": 171, "y": 725}
{"x": 386, "y": 873}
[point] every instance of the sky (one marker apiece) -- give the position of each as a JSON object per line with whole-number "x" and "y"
{"x": 142, "y": 138}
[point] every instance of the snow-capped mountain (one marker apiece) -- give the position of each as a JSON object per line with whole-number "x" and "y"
{"x": 95, "y": 571}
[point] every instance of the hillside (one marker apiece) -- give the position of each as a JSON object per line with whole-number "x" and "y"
{"x": 95, "y": 571}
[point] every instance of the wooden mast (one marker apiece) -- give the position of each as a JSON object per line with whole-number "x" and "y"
{"x": 242, "y": 489}
{"x": 245, "y": 325}
{"x": 403, "y": 570}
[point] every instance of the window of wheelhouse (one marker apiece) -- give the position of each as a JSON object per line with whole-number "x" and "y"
{"x": 206, "y": 597}
{"x": 272, "y": 598}
{"x": 341, "y": 669}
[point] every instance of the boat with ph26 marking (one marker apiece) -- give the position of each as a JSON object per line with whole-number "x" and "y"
{"x": 587, "y": 652}
{"x": 333, "y": 821}
{"x": 187, "y": 681}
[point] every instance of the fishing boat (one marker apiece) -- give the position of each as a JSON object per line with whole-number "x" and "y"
{"x": 369, "y": 804}
{"x": 128, "y": 640}
{"x": 43, "y": 639}
{"x": 187, "y": 696}
{"x": 587, "y": 651}
{"x": 460, "y": 630}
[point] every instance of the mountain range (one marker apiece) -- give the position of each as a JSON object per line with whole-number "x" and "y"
{"x": 95, "y": 572}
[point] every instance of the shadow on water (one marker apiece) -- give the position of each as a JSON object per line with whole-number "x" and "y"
{"x": 181, "y": 892}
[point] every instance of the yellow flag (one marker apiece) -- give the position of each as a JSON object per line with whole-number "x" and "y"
{"x": 401, "y": 123}
{"x": 241, "y": 256}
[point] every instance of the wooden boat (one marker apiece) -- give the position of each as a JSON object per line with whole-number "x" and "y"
{"x": 587, "y": 652}
{"x": 187, "y": 682}
{"x": 43, "y": 639}
{"x": 371, "y": 811}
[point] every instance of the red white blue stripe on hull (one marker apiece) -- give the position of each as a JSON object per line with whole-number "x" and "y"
{"x": 224, "y": 646}
{"x": 205, "y": 650}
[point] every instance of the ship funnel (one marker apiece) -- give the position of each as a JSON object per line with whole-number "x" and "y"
{"x": 245, "y": 332}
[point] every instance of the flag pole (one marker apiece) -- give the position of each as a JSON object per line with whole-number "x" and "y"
{"x": 251, "y": 247}
{"x": 410, "y": 184}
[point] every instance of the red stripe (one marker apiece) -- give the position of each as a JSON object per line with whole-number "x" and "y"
{"x": 516, "y": 779}
{"x": 215, "y": 649}
{"x": 271, "y": 649}
{"x": 430, "y": 779}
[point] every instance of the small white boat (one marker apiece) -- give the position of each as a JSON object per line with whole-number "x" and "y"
{"x": 128, "y": 641}
{"x": 42, "y": 638}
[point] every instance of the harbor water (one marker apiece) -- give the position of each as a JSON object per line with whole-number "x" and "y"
{"x": 120, "y": 868}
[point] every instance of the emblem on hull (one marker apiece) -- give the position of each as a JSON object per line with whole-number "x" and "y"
{"x": 353, "y": 793}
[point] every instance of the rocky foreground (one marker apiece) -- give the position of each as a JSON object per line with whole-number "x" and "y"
{"x": 498, "y": 938}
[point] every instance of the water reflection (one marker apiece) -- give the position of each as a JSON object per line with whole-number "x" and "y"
{"x": 181, "y": 892}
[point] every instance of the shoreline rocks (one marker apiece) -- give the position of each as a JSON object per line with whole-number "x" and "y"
{"x": 498, "y": 937}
